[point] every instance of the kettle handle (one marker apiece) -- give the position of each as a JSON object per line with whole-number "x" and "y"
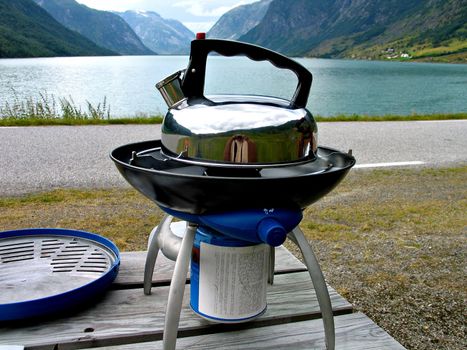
{"x": 194, "y": 79}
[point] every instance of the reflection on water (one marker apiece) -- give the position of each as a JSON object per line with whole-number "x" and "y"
{"x": 339, "y": 86}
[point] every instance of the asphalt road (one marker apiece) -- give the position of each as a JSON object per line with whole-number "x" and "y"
{"x": 42, "y": 158}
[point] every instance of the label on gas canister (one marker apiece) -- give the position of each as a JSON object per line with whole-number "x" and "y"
{"x": 233, "y": 280}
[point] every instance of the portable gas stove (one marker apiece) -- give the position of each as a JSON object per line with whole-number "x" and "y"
{"x": 238, "y": 170}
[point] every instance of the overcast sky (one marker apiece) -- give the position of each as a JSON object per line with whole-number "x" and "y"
{"x": 197, "y": 15}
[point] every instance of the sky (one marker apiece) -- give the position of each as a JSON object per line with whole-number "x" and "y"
{"x": 197, "y": 15}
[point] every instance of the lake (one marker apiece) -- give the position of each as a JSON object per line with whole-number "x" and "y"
{"x": 339, "y": 86}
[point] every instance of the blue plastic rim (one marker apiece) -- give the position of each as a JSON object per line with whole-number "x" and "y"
{"x": 70, "y": 299}
{"x": 262, "y": 225}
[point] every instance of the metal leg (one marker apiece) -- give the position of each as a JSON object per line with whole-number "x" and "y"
{"x": 272, "y": 261}
{"x": 319, "y": 284}
{"x": 177, "y": 288}
{"x": 153, "y": 250}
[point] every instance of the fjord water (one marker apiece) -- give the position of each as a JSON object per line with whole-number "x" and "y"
{"x": 339, "y": 86}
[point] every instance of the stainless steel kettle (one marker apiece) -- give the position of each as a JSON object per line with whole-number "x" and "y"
{"x": 236, "y": 130}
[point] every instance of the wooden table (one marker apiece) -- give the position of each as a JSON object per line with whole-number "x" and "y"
{"x": 124, "y": 318}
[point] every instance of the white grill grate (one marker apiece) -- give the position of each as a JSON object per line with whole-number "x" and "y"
{"x": 47, "y": 265}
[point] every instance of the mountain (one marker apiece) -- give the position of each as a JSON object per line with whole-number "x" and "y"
{"x": 363, "y": 28}
{"x": 165, "y": 36}
{"x": 26, "y": 30}
{"x": 239, "y": 20}
{"x": 104, "y": 28}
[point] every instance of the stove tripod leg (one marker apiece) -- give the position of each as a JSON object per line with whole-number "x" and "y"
{"x": 153, "y": 251}
{"x": 177, "y": 288}
{"x": 272, "y": 261}
{"x": 319, "y": 284}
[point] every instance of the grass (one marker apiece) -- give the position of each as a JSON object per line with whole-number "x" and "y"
{"x": 390, "y": 117}
{"x": 39, "y": 121}
{"x": 123, "y": 215}
{"x": 392, "y": 242}
{"x": 448, "y": 51}
{"x": 450, "y": 47}
{"x": 367, "y": 202}
{"x": 61, "y": 121}
{"x": 47, "y": 106}
{"x": 46, "y": 109}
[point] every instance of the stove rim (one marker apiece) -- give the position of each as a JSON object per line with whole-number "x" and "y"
{"x": 351, "y": 161}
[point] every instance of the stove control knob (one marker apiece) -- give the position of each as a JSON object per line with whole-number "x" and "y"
{"x": 270, "y": 231}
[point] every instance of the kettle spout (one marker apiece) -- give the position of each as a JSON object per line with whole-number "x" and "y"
{"x": 171, "y": 90}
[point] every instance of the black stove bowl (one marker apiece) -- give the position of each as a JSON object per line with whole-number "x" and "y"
{"x": 201, "y": 189}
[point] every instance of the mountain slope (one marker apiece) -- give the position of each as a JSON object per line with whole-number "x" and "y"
{"x": 239, "y": 20}
{"x": 438, "y": 31}
{"x": 26, "y": 30}
{"x": 359, "y": 28}
{"x": 165, "y": 36}
{"x": 104, "y": 28}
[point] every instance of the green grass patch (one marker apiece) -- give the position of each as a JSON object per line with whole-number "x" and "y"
{"x": 32, "y": 121}
{"x": 450, "y": 50}
{"x": 63, "y": 121}
{"x": 46, "y": 109}
{"x": 378, "y": 202}
{"x": 447, "y": 48}
{"x": 368, "y": 203}
{"x": 391, "y": 117}
{"x": 122, "y": 215}
{"x": 393, "y": 243}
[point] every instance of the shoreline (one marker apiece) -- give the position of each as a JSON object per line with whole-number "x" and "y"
{"x": 56, "y": 121}
{"x": 418, "y": 59}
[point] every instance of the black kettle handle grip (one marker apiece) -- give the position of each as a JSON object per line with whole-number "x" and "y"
{"x": 193, "y": 81}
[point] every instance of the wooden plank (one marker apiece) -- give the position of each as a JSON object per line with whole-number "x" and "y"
{"x": 132, "y": 267}
{"x": 353, "y": 332}
{"x": 127, "y": 315}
